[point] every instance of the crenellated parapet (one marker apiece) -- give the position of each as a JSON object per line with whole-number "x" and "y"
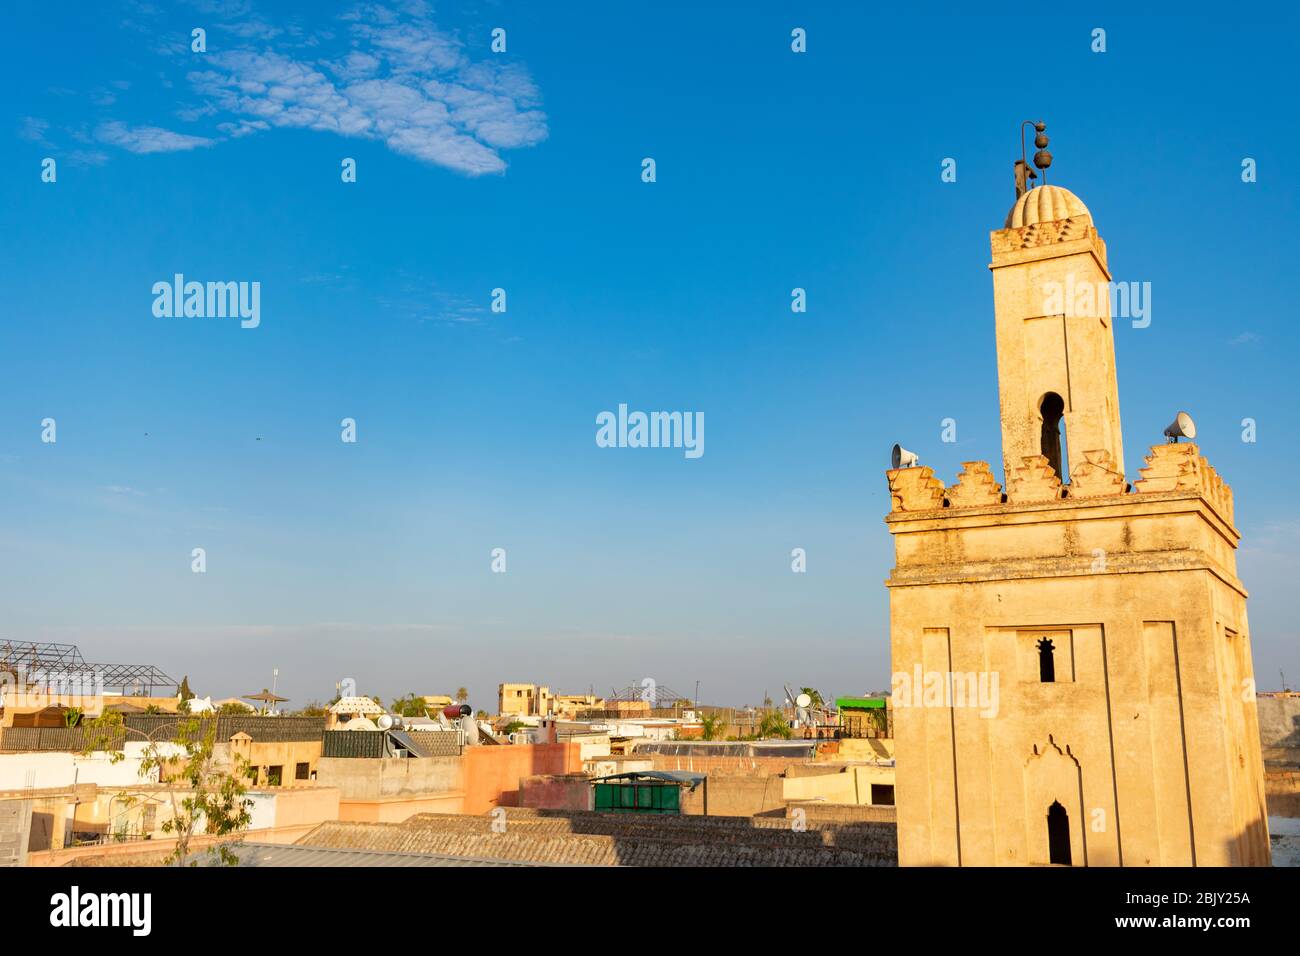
{"x": 1096, "y": 477}
{"x": 914, "y": 489}
{"x": 1180, "y": 466}
{"x": 1170, "y": 468}
{"x": 976, "y": 487}
{"x": 1033, "y": 480}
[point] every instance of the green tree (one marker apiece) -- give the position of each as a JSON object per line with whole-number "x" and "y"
{"x": 462, "y": 695}
{"x": 714, "y": 726}
{"x": 815, "y": 694}
{"x": 412, "y": 705}
{"x": 211, "y": 799}
{"x": 313, "y": 708}
{"x": 774, "y": 724}
{"x": 184, "y": 690}
{"x": 214, "y": 798}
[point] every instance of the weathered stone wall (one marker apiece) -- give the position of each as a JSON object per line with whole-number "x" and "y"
{"x": 1279, "y": 729}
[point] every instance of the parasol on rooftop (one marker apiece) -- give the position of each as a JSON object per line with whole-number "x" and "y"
{"x": 266, "y": 697}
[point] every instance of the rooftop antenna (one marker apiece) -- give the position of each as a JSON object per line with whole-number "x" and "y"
{"x": 1042, "y": 158}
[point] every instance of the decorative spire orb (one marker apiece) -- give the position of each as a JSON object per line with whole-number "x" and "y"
{"x": 1046, "y": 204}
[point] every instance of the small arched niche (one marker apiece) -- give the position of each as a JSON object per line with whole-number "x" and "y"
{"x": 1051, "y": 408}
{"x": 1058, "y": 835}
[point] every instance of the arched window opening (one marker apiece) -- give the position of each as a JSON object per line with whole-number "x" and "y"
{"x": 1046, "y": 661}
{"x": 1058, "y": 834}
{"x": 1052, "y": 409}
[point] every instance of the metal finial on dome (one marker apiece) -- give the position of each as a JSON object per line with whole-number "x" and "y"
{"x": 1042, "y": 158}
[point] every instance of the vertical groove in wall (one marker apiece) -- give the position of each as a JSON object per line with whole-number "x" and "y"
{"x": 1069, "y": 395}
{"x": 952, "y": 721}
{"x": 1083, "y": 813}
{"x": 1110, "y": 742}
{"x": 1182, "y": 735}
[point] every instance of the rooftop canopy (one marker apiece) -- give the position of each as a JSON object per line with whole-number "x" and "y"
{"x": 860, "y": 703}
{"x": 663, "y": 776}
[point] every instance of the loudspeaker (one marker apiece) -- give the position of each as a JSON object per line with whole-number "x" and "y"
{"x": 1181, "y": 427}
{"x": 902, "y": 458}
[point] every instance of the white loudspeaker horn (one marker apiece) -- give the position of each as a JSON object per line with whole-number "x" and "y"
{"x": 1181, "y": 427}
{"x": 902, "y": 458}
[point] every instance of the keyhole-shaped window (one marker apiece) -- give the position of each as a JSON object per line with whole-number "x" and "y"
{"x": 1046, "y": 661}
{"x": 1052, "y": 445}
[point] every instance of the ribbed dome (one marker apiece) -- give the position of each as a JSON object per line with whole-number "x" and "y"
{"x": 1045, "y": 204}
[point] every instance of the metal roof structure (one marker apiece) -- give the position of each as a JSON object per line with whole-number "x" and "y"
{"x": 656, "y": 695}
{"x": 665, "y": 776}
{"x": 49, "y": 663}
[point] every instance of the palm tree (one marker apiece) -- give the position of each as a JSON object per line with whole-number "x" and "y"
{"x": 462, "y": 695}
{"x": 712, "y": 726}
{"x": 774, "y": 724}
{"x": 815, "y": 694}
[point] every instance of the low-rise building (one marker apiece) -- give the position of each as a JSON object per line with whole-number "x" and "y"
{"x": 525, "y": 700}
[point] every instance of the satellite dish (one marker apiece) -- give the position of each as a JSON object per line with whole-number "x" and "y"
{"x": 385, "y": 722}
{"x": 1181, "y": 427}
{"x": 803, "y": 700}
{"x": 902, "y": 458}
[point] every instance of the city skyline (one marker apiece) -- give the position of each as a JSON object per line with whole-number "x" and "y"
{"x": 477, "y": 430}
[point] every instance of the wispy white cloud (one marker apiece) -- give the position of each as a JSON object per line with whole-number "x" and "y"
{"x": 400, "y": 80}
{"x": 242, "y": 128}
{"x": 87, "y": 157}
{"x": 125, "y": 490}
{"x": 147, "y": 139}
{"x": 33, "y": 130}
{"x": 1246, "y": 338}
{"x": 406, "y": 84}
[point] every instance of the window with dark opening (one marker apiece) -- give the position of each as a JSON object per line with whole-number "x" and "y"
{"x": 273, "y": 775}
{"x": 882, "y": 794}
{"x": 1046, "y": 661}
{"x": 1052, "y": 408}
{"x": 1058, "y": 834}
{"x": 301, "y": 771}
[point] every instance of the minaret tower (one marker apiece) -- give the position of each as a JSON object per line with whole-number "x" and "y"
{"x": 1071, "y": 652}
{"x": 1056, "y": 348}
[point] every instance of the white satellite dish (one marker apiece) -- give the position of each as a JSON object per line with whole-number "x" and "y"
{"x": 803, "y": 700}
{"x": 902, "y": 458}
{"x": 385, "y": 722}
{"x": 1181, "y": 427}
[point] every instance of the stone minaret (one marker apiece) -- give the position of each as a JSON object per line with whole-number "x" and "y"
{"x": 1071, "y": 655}
{"x": 1056, "y": 350}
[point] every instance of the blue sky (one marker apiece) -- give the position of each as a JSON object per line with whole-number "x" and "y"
{"x": 522, "y": 171}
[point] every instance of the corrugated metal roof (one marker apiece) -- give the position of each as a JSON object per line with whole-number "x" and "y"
{"x": 278, "y": 854}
